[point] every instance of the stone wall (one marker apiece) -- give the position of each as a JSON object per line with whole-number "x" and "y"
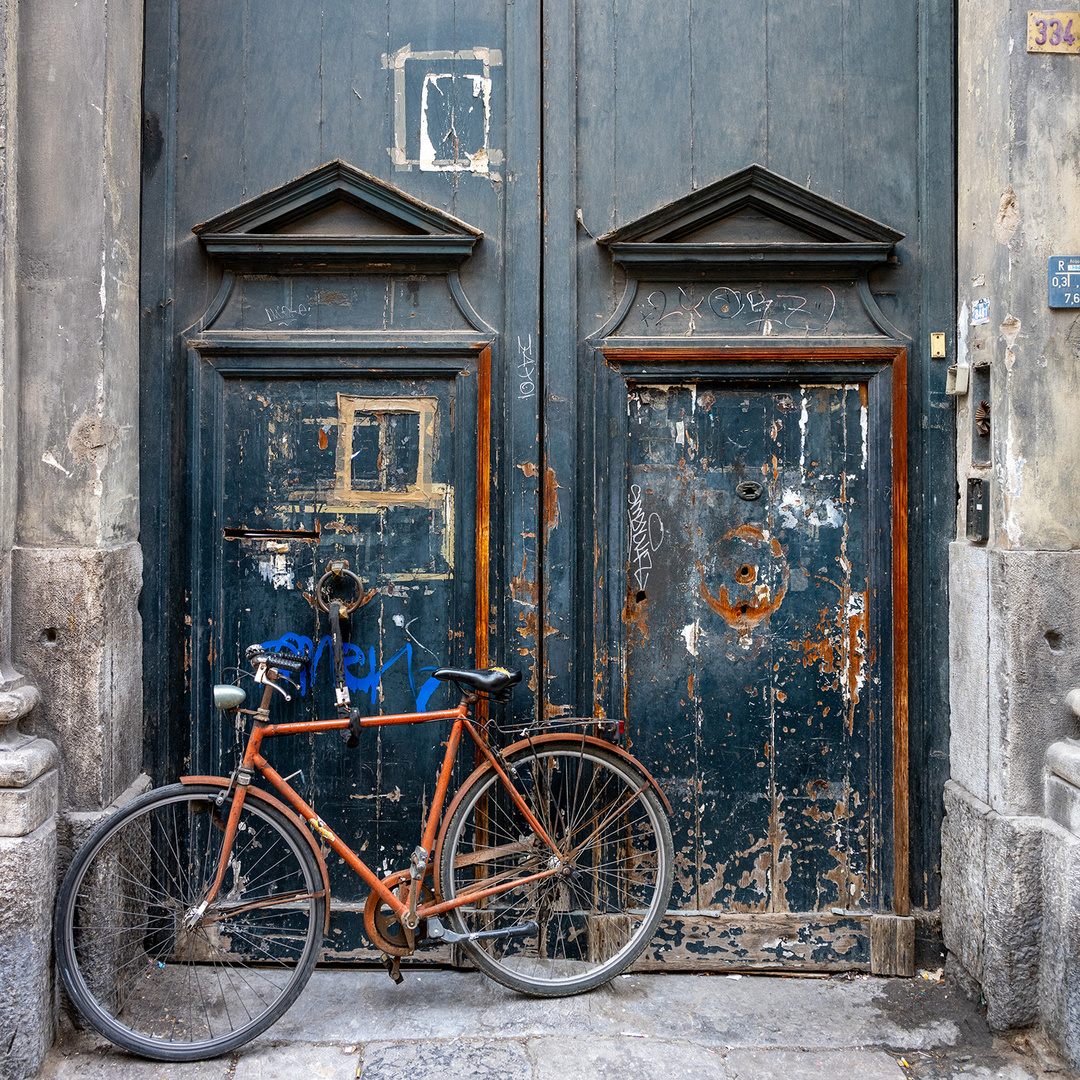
{"x": 1008, "y": 862}
{"x": 70, "y": 563}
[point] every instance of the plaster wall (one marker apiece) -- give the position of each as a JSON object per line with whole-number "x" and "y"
{"x": 1007, "y": 859}
{"x": 1018, "y": 185}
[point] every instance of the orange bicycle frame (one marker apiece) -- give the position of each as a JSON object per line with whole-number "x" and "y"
{"x": 255, "y": 762}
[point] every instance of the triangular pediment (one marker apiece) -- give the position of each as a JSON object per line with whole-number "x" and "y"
{"x": 337, "y": 217}
{"x": 751, "y": 216}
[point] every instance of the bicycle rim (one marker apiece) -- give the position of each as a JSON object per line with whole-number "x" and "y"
{"x": 153, "y": 978}
{"x": 613, "y": 863}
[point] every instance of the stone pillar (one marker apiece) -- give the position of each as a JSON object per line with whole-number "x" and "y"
{"x": 70, "y": 563}
{"x": 76, "y": 563}
{"x": 28, "y": 799}
{"x": 28, "y": 775}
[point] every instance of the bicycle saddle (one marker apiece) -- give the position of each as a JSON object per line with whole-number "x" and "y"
{"x": 493, "y": 680}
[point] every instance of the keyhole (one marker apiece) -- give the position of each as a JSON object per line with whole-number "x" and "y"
{"x": 745, "y": 574}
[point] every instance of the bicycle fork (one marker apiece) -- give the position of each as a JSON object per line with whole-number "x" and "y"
{"x": 241, "y": 779}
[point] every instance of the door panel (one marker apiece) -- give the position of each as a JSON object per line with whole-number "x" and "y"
{"x": 379, "y": 469}
{"x": 747, "y": 598}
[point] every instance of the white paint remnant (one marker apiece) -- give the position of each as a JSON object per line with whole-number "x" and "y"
{"x": 1011, "y": 481}
{"x": 692, "y": 633}
{"x": 962, "y": 335}
{"x": 794, "y": 512}
{"x": 463, "y": 160}
{"x": 864, "y": 423}
{"x": 804, "y": 425}
{"x": 50, "y": 459}
{"x": 276, "y": 570}
{"x": 680, "y": 433}
{"x": 1010, "y": 331}
{"x": 398, "y": 620}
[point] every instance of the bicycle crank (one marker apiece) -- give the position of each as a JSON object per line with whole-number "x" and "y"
{"x": 383, "y": 927}
{"x": 437, "y": 932}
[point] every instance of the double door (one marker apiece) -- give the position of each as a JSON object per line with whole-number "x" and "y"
{"x": 507, "y": 488}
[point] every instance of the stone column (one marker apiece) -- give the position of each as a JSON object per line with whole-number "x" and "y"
{"x": 28, "y": 800}
{"x": 28, "y": 775}
{"x": 70, "y": 562}
{"x": 77, "y": 565}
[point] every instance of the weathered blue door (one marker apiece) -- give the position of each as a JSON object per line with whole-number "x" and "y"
{"x": 491, "y": 301}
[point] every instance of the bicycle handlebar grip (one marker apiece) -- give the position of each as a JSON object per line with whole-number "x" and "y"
{"x": 256, "y": 654}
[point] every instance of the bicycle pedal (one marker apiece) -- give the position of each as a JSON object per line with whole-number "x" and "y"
{"x": 393, "y": 969}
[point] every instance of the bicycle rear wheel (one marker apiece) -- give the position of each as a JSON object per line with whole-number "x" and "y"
{"x": 154, "y": 977}
{"x": 613, "y": 859}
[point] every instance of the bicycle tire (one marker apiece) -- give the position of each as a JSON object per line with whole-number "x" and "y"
{"x": 599, "y": 913}
{"x": 144, "y": 980}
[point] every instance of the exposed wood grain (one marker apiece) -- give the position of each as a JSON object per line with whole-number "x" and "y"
{"x": 690, "y": 941}
{"x": 901, "y": 810}
{"x": 892, "y": 945}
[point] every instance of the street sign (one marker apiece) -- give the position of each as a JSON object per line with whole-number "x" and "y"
{"x": 1063, "y": 281}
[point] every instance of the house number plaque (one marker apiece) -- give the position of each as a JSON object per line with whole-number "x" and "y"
{"x": 1053, "y": 32}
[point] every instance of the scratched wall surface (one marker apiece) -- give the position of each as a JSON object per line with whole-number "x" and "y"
{"x": 748, "y": 662}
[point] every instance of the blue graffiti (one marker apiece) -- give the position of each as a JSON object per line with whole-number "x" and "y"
{"x": 354, "y": 656}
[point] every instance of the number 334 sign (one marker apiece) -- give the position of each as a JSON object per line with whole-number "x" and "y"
{"x": 1053, "y": 31}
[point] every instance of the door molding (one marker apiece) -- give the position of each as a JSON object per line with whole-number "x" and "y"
{"x": 884, "y": 368}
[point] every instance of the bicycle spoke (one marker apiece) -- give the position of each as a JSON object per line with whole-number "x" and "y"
{"x": 610, "y": 870}
{"x": 158, "y": 987}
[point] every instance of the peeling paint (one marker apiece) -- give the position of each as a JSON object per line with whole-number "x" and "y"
{"x": 1008, "y": 216}
{"x": 691, "y": 633}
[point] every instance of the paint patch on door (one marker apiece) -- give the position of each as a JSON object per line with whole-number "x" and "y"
{"x": 276, "y": 567}
{"x": 443, "y": 104}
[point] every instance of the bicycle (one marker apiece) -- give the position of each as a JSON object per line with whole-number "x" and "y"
{"x": 190, "y": 920}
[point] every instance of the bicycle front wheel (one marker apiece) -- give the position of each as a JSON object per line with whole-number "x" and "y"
{"x": 151, "y": 973}
{"x": 606, "y": 880}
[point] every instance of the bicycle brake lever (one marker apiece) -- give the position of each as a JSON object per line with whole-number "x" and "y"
{"x": 262, "y": 680}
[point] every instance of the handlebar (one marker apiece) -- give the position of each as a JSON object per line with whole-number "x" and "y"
{"x": 257, "y": 655}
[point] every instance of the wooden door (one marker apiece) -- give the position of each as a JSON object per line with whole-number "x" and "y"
{"x": 543, "y": 128}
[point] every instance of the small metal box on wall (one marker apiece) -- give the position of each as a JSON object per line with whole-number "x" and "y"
{"x": 752, "y": 487}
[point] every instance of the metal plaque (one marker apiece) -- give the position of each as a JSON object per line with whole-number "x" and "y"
{"x": 1053, "y": 32}
{"x": 1063, "y": 281}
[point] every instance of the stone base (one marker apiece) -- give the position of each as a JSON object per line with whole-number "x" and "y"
{"x": 27, "y": 876}
{"x": 76, "y": 630}
{"x": 1010, "y": 909}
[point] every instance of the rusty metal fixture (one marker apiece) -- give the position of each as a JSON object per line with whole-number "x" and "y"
{"x": 338, "y": 570}
{"x": 982, "y": 418}
{"x": 383, "y": 926}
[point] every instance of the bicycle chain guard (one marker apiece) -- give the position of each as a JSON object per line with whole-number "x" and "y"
{"x": 382, "y": 925}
